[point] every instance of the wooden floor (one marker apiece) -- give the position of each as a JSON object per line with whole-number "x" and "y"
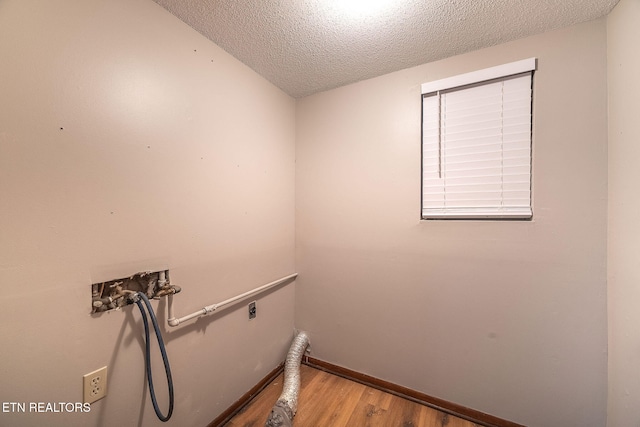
{"x": 327, "y": 400}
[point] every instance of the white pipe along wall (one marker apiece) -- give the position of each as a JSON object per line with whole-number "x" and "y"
{"x": 172, "y": 321}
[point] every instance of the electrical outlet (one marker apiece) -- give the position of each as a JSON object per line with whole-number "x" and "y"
{"x": 252, "y": 310}
{"x": 95, "y": 385}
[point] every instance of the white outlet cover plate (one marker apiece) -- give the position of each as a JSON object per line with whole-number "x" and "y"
{"x": 95, "y": 385}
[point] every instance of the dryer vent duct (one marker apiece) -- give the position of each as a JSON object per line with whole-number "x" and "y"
{"x": 285, "y": 408}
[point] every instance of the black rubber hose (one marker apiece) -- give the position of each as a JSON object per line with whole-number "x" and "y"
{"x": 163, "y": 351}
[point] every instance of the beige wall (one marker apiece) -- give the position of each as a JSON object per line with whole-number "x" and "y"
{"x": 129, "y": 142}
{"x": 508, "y": 318}
{"x": 623, "y": 34}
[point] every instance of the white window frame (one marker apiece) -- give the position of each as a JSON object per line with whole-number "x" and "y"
{"x": 443, "y": 209}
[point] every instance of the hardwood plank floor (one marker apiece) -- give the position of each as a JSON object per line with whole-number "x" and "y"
{"x": 327, "y": 400}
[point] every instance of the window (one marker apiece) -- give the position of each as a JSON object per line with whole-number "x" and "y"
{"x": 476, "y": 144}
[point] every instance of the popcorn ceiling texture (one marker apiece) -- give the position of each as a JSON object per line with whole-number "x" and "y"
{"x": 308, "y": 46}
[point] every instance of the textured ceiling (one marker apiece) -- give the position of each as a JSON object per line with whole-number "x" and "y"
{"x": 307, "y": 46}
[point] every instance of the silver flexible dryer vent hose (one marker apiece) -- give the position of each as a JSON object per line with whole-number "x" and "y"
{"x": 285, "y": 408}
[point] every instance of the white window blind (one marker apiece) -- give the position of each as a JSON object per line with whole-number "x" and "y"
{"x": 476, "y": 145}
